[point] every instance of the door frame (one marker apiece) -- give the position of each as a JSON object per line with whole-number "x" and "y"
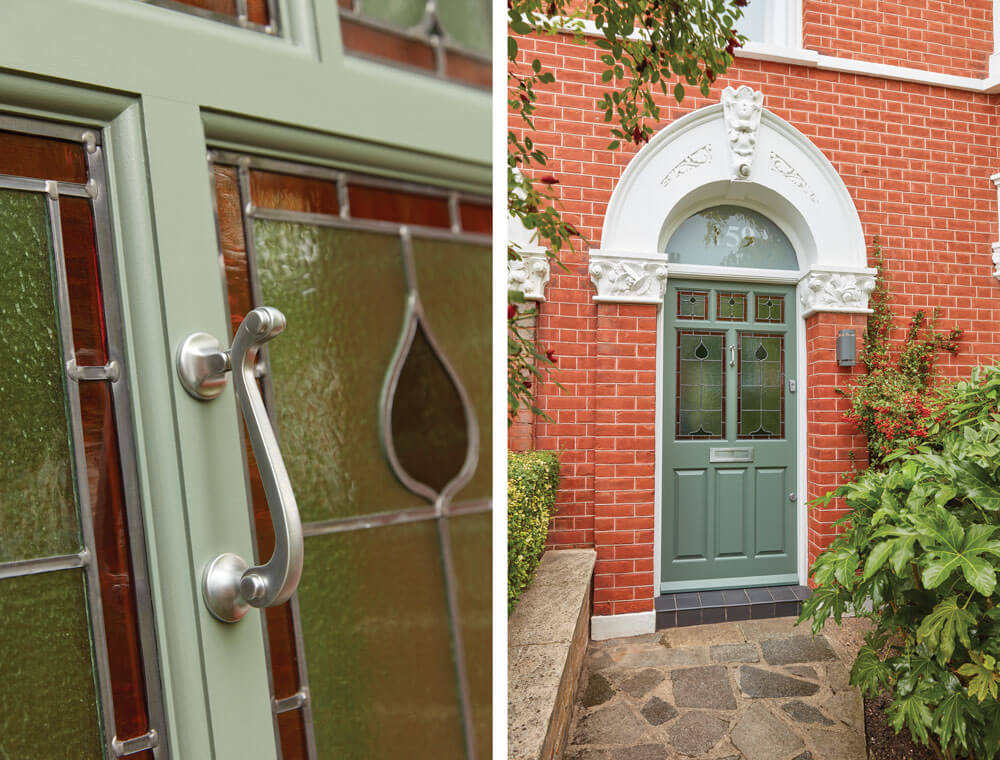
{"x": 750, "y": 277}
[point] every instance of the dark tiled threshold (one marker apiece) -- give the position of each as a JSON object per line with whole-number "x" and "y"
{"x": 697, "y": 607}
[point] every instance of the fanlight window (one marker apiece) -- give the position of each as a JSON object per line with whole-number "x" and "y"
{"x": 731, "y": 236}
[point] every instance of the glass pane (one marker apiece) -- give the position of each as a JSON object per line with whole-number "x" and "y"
{"x": 753, "y": 23}
{"x": 375, "y": 624}
{"x": 83, "y": 281}
{"x": 429, "y": 428}
{"x": 114, "y": 562}
{"x": 471, "y": 549}
{"x": 401, "y": 13}
{"x": 329, "y": 365}
{"x": 731, "y": 236}
{"x": 37, "y": 502}
{"x": 761, "y": 386}
{"x": 467, "y": 22}
{"x": 701, "y": 393}
{"x": 291, "y": 193}
{"x": 394, "y": 206}
{"x": 380, "y": 43}
{"x": 455, "y": 287}
{"x": 731, "y": 307}
{"x": 769, "y": 308}
{"x": 48, "y": 703}
{"x": 42, "y": 158}
{"x": 692, "y": 304}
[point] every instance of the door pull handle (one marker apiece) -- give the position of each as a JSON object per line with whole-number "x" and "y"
{"x": 229, "y": 585}
{"x": 732, "y": 355}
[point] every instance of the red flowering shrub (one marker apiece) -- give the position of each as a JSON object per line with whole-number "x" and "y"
{"x": 900, "y": 402}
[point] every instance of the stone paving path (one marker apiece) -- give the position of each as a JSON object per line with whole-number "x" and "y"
{"x": 756, "y": 690}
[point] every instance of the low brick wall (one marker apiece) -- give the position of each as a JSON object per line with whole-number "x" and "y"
{"x": 546, "y": 641}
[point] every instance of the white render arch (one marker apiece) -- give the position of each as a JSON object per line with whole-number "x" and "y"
{"x": 735, "y": 153}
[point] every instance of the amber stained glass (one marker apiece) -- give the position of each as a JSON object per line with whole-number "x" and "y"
{"x": 294, "y": 193}
{"x": 389, "y": 205}
{"x": 42, "y": 158}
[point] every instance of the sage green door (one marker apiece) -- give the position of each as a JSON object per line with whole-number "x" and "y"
{"x": 121, "y": 123}
{"x": 729, "y": 435}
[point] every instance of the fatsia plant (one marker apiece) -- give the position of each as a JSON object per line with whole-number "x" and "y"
{"x": 919, "y": 557}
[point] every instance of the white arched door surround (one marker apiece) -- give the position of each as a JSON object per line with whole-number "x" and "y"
{"x": 734, "y": 153}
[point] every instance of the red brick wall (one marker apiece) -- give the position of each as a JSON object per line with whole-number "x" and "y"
{"x": 953, "y": 37}
{"x": 830, "y": 442}
{"x": 624, "y": 457}
{"x": 916, "y": 160}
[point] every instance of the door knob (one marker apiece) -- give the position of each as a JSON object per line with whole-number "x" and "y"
{"x": 229, "y": 585}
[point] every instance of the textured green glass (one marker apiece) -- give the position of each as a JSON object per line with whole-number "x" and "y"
{"x": 700, "y": 389}
{"x": 48, "y": 703}
{"x": 692, "y": 304}
{"x": 731, "y": 307}
{"x": 471, "y": 548}
{"x": 455, "y": 288}
{"x": 378, "y": 644}
{"x": 731, "y": 236}
{"x": 761, "y": 380}
{"x": 467, "y": 22}
{"x": 343, "y": 293}
{"x": 401, "y": 13}
{"x": 770, "y": 308}
{"x": 38, "y": 515}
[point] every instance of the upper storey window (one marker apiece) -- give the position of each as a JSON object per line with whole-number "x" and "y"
{"x": 773, "y": 22}
{"x": 448, "y": 38}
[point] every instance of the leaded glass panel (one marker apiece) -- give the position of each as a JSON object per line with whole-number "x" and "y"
{"x": 692, "y": 304}
{"x": 760, "y": 395}
{"x": 701, "y": 390}
{"x": 731, "y": 307}
{"x": 768, "y": 308}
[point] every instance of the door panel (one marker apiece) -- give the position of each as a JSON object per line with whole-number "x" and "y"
{"x": 385, "y": 649}
{"x": 729, "y": 449}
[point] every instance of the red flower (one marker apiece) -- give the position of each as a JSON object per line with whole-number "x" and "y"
{"x": 551, "y": 355}
{"x": 741, "y": 3}
{"x": 549, "y": 180}
{"x": 733, "y": 43}
{"x": 511, "y": 311}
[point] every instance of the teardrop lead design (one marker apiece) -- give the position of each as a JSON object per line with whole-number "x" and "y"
{"x": 761, "y": 353}
{"x": 426, "y": 420}
{"x": 701, "y": 350}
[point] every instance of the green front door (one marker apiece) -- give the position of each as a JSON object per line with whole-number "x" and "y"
{"x": 729, "y": 436}
{"x": 163, "y": 169}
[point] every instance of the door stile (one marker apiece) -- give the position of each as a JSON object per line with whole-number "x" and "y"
{"x": 233, "y": 673}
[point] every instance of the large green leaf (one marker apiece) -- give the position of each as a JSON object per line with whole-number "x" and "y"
{"x": 946, "y": 622}
{"x": 951, "y": 548}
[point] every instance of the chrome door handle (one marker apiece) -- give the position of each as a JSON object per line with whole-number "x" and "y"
{"x": 229, "y": 585}
{"x": 732, "y": 355}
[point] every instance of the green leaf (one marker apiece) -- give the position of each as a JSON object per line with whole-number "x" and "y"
{"x": 679, "y": 92}
{"x": 511, "y": 47}
{"x": 946, "y": 622}
{"x": 913, "y": 712}
{"x": 950, "y": 718}
{"x": 984, "y": 680}
{"x": 878, "y": 557}
{"x": 869, "y": 673}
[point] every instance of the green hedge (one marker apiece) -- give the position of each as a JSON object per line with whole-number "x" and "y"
{"x": 532, "y": 480}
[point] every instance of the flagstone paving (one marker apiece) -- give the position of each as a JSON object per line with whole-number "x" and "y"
{"x": 756, "y": 690}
